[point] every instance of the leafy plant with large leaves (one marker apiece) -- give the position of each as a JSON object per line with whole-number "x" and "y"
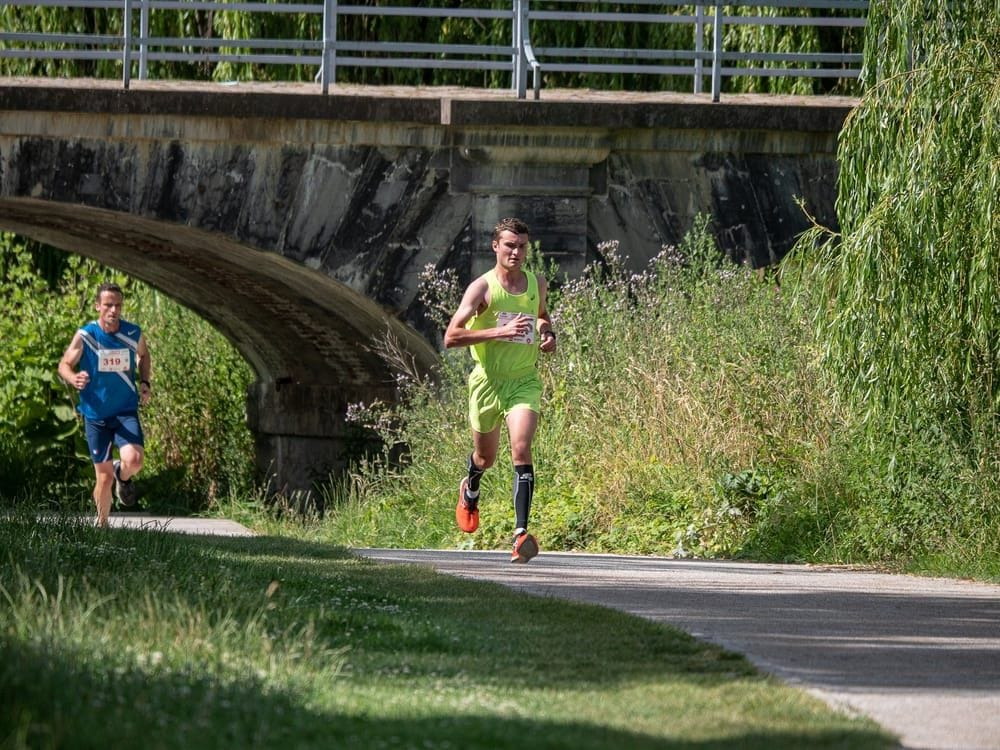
{"x": 38, "y": 425}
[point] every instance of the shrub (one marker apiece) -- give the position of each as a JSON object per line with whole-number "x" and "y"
{"x": 198, "y": 446}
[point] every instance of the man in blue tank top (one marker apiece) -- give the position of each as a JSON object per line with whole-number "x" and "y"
{"x": 503, "y": 319}
{"x": 110, "y": 352}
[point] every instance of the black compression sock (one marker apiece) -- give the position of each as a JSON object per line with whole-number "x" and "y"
{"x": 475, "y": 474}
{"x": 524, "y": 489}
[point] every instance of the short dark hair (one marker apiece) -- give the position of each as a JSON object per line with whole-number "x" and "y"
{"x": 510, "y": 224}
{"x": 109, "y": 286}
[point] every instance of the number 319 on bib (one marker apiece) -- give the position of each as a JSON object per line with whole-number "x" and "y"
{"x": 113, "y": 360}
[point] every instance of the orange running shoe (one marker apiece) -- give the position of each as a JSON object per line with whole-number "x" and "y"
{"x": 525, "y": 548}
{"x": 466, "y": 513}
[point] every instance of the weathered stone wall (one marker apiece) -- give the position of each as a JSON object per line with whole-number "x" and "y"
{"x": 370, "y": 190}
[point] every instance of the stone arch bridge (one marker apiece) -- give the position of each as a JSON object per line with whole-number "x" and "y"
{"x": 297, "y": 224}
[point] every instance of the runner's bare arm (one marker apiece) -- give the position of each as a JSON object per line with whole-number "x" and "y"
{"x": 70, "y": 359}
{"x": 144, "y": 366}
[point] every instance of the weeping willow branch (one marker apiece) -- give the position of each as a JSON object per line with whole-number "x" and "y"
{"x": 913, "y": 332}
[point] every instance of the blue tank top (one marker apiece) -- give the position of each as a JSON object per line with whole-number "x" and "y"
{"x": 110, "y": 359}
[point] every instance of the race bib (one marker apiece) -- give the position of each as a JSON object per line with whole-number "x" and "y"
{"x": 503, "y": 318}
{"x": 113, "y": 360}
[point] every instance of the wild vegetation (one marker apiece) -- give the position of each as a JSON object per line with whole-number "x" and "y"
{"x": 688, "y": 412}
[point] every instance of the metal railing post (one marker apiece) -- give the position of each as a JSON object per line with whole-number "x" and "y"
{"x": 127, "y": 44}
{"x": 717, "y": 54}
{"x": 528, "y": 53}
{"x": 328, "y": 68}
{"x": 143, "y": 40}
{"x": 520, "y": 70}
{"x": 699, "y": 46}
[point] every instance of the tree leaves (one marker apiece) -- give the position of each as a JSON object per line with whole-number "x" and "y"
{"x": 915, "y": 280}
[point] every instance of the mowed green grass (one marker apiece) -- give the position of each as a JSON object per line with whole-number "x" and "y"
{"x": 129, "y": 638}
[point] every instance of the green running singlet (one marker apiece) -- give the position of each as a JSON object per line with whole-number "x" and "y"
{"x": 507, "y": 359}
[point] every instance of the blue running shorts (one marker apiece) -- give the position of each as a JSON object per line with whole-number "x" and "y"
{"x": 123, "y": 429}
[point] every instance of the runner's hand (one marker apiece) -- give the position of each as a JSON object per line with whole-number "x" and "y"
{"x": 516, "y": 327}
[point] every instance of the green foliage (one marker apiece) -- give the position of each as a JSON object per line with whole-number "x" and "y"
{"x": 198, "y": 447}
{"x": 912, "y": 323}
{"x": 909, "y": 320}
{"x": 40, "y": 435}
{"x": 237, "y": 25}
{"x": 791, "y": 39}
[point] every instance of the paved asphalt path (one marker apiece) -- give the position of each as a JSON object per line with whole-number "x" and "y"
{"x": 180, "y": 524}
{"x": 921, "y": 656}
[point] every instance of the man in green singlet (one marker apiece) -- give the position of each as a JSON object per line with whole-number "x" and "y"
{"x": 503, "y": 319}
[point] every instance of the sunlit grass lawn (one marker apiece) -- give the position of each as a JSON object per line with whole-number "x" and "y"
{"x": 128, "y": 638}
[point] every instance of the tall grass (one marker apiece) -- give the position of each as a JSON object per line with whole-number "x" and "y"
{"x": 687, "y": 412}
{"x": 669, "y": 388}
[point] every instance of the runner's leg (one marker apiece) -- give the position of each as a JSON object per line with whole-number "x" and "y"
{"x": 130, "y": 441}
{"x": 105, "y": 473}
{"x": 522, "y": 424}
{"x": 131, "y": 458}
{"x": 99, "y": 441}
{"x": 484, "y": 450}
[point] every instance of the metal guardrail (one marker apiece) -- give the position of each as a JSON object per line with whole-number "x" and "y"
{"x": 706, "y": 58}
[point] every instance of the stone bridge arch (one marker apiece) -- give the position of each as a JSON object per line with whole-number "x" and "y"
{"x": 272, "y": 222}
{"x": 307, "y": 336}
